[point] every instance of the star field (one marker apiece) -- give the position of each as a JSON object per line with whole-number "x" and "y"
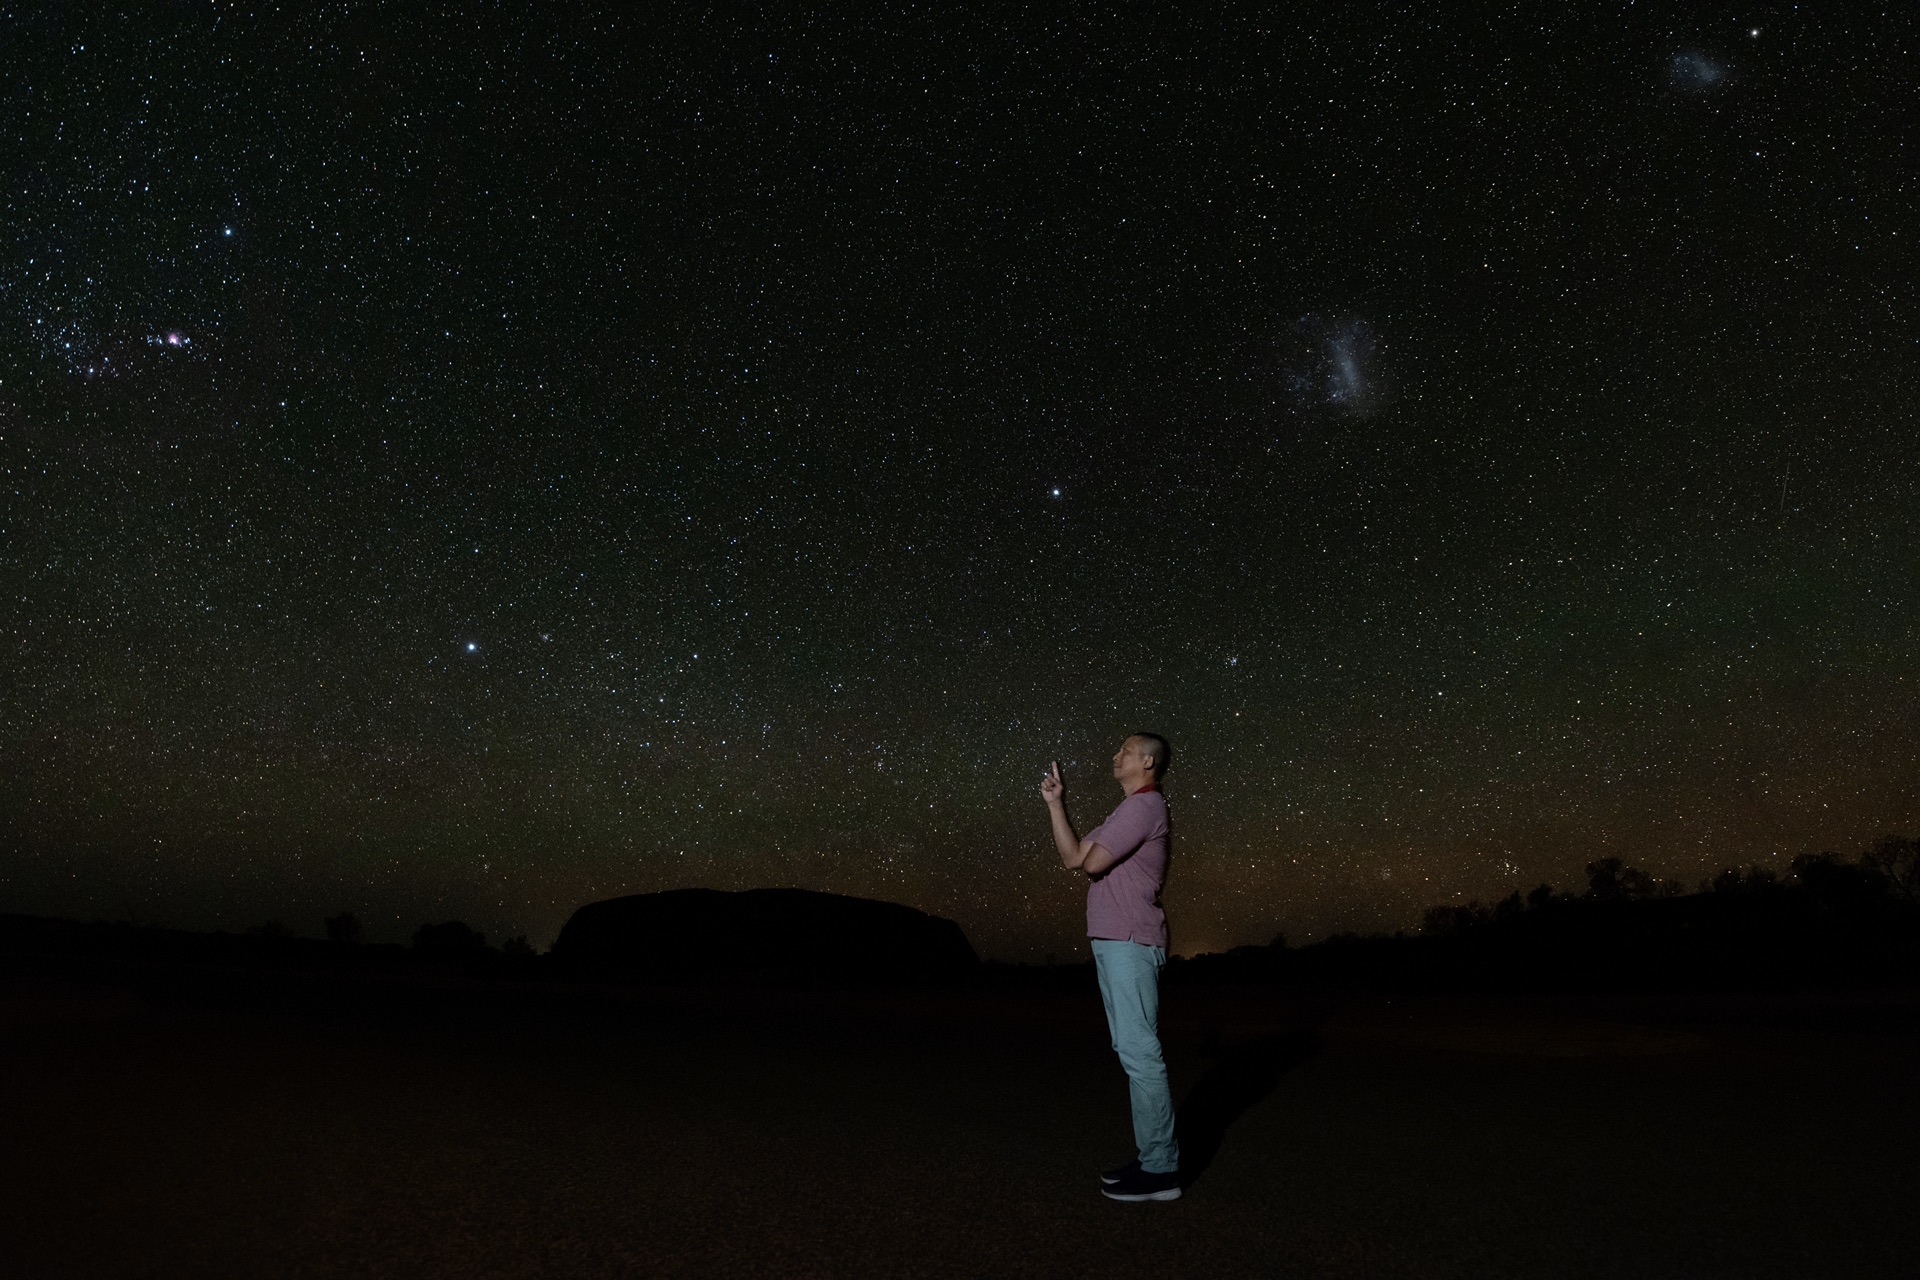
{"x": 466, "y": 461}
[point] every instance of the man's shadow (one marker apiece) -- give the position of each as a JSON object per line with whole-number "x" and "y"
{"x": 1241, "y": 1075}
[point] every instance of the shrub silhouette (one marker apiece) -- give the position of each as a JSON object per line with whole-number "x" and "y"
{"x": 344, "y": 929}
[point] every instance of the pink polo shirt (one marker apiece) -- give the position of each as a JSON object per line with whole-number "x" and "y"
{"x": 1124, "y": 904}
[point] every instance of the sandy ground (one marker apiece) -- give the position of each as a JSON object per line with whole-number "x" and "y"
{"x": 960, "y": 1135}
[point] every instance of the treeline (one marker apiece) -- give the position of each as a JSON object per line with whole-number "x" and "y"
{"x": 1887, "y": 876}
{"x": 1829, "y": 921}
{"x": 451, "y": 948}
{"x": 1826, "y": 921}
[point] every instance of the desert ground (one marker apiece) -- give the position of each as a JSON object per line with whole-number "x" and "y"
{"x": 444, "y": 1130}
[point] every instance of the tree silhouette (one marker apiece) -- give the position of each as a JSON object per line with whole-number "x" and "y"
{"x": 1897, "y": 860}
{"x": 452, "y": 940}
{"x": 343, "y": 929}
{"x": 1830, "y": 878}
{"x": 1735, "y": 880}
{"x": 1611, "y": 880}
{"x": 1444, "y": 921}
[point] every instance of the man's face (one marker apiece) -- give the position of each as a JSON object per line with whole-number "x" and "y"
{"x": 1130, "y": 759}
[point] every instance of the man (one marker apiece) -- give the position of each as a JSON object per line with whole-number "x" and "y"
{"x": 1125, "y": 862}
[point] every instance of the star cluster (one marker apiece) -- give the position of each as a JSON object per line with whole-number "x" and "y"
{"x": 469, "y": 460}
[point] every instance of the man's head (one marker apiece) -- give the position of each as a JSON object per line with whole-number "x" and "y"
{"x": 1141, "y": 759}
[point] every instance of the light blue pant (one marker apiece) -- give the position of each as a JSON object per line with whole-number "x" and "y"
{"x": 1130, "y": 988}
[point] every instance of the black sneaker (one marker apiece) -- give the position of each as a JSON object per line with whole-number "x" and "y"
{"x": 1126, "y": 1170}
{"x": 1141, "y": 1185}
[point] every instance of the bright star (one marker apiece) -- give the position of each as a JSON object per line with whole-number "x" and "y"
{"x": 472, "y": 647}
{"x": 1056, "y": 491}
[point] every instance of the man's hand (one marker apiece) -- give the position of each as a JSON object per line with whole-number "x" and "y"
{"x": 1051, "y": 788}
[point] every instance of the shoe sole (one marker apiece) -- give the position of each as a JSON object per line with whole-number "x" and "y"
{"x": 1171, "y": 1193}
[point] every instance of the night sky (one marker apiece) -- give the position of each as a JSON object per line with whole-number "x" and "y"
{"x": 469, "y": 460}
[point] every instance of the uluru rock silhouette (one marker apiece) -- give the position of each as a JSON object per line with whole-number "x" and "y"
{"x": 777, "y": 934}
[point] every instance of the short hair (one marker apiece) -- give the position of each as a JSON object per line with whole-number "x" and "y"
{"x": 1158, "y": 749}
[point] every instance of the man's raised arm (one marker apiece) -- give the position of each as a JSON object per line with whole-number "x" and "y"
{"x": 1075, "y": 854}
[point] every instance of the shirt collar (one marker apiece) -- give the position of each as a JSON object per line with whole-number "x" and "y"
{"x": 1151, "y": 786}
